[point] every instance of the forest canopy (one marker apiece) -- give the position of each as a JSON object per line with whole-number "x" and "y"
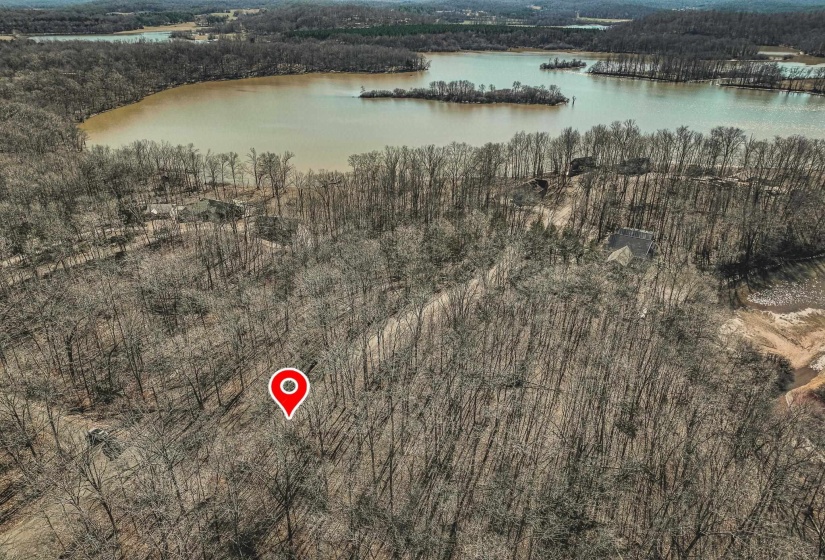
{"x": 488, "y": 381}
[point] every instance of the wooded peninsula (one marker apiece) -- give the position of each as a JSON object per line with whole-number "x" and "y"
{"x": 733, "y": 73}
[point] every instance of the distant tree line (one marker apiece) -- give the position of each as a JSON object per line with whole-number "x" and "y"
{"x": 699, "y": 34}
{"x": 319, "y": 17}
{"x": 728, "y": 34}
{"x": 79, "y": 21}
{"x": 78, "y": 79}
{"x": 563, "y": 64}
{"x": 455, "y": 37}
{"x": 463, "y": 91}
{"x": 557, "y": 12}
{"x": 686, "y": 33}
{"x": 619, "y": 39}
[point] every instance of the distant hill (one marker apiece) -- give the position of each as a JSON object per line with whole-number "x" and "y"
{"x": 39, "y": 3}
{"x": 736, "y": 5}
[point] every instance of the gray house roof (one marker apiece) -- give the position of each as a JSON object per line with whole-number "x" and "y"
{"x": 640, "y": 242}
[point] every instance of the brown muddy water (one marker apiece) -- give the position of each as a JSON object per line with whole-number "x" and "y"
{"x": 322, "y": 120}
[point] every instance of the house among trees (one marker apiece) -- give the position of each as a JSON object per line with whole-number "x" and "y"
{"x": 211, "y": 210}
{"x": 160, "y": 211}
{"x": 640, "y": 242}
{"x": 581, "y": 165}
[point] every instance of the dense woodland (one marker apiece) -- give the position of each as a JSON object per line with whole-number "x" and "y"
{"x": 681, "y": 32}
{"x": 551, "y": 12}
{"x": 297, "y": 17}
{"x": 425, "y": 27}
{"x": 484, "y": 384}
{"x": 696, "y": 34}
{"x": 455, "y": 37}
{"x": 463, "y": 91}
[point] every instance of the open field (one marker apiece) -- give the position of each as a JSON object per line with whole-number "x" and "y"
{"x": 601, "y": 21}
{"x": 188, "y": 26}
{"x": 790, "y": 54}
{"x": 232, "y": 13}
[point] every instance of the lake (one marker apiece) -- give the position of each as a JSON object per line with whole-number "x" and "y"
{"x": 320, "y": 118}
{"x": 111, "y": 37}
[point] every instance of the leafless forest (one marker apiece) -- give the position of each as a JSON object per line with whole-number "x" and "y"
{"x": 484, "y": 384}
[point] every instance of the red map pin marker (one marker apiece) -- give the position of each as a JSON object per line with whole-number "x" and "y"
{"x": 289, "y": 401}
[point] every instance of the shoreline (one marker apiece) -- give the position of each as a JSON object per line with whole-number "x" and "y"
{"x": 220, "y": 80}
{"x": 708, "y": 81}
{"x": 775, "y": 90}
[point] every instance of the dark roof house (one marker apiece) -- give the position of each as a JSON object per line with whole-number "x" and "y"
{"x": 211, "y": 210}
{"x": 640, "y": 242}
{"x": 582, "y": 165}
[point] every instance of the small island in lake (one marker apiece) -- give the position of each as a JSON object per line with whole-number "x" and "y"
{"x": 557, "y": 64}
{"x": 463, "y": 91}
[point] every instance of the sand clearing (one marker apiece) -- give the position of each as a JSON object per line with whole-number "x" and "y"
{"x": 785, "y": 315}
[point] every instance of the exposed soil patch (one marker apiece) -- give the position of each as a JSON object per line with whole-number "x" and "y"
{"x": 791, "y": 288}
{"x": 783, "y": 312}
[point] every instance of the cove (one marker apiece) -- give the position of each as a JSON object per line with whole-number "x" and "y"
{"x": 320, "y": 118}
